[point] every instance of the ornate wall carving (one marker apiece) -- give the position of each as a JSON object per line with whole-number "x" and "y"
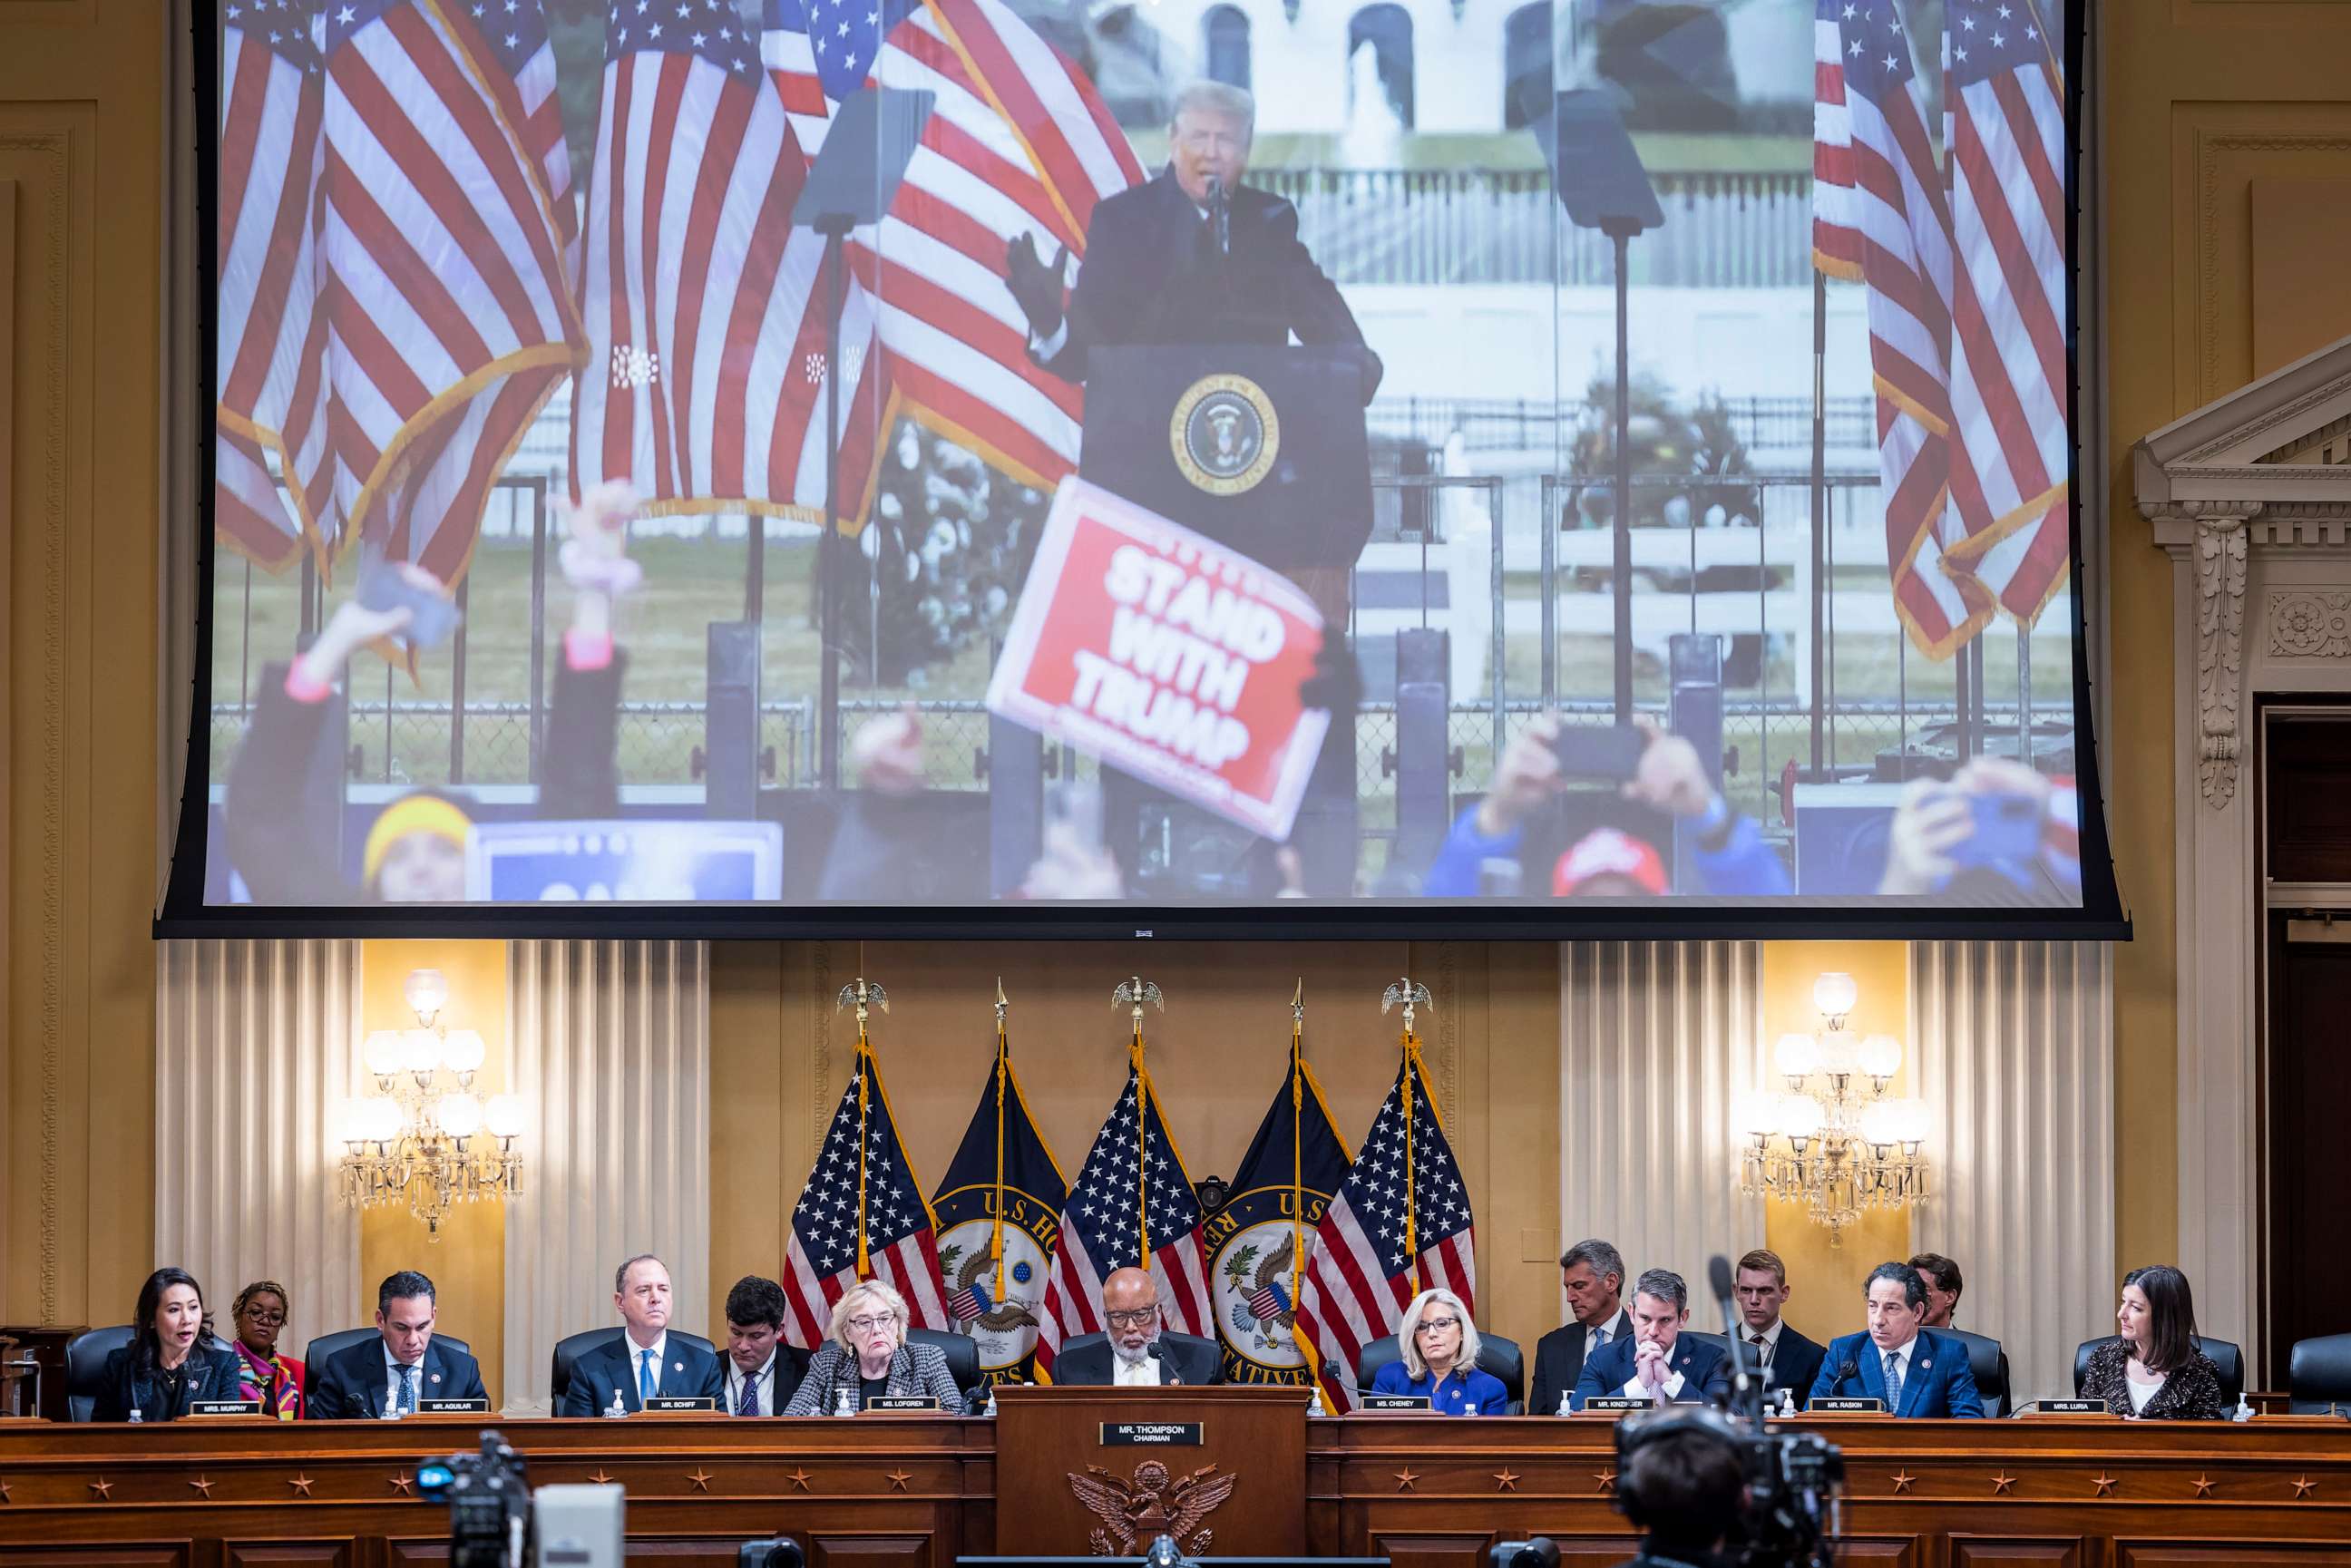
{"x": 2309, "y": 624}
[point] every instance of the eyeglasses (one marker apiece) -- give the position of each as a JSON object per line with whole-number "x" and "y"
{"x": 1437, "y": 1325}
{"x": 868, "y": 1324}
{"x": 265, "y": 1319}
{"x": 1141, "y": 1317}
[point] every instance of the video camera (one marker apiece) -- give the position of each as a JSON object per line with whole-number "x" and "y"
{"x": 496, "y": 1521}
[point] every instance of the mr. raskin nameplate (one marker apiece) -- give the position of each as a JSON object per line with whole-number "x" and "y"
{"x": 478, "y": 1405}
{"x": 1615, "y": 1404}
{"x": 224, "y": 1406}
{"x": 1393, "y": 1402}
{"x": 903, "y": 1402}
{"x": 1152, "y": 1434}
{"x": 1827, "y": 1405}
{"x": 679, "y": 1404}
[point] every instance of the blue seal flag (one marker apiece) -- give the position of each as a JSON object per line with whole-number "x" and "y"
{"x": 998, "y": 1216}
{"x": 1257, "y": 1243}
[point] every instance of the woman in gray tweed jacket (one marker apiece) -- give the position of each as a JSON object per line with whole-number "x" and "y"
{"x": 867, "y": 1353}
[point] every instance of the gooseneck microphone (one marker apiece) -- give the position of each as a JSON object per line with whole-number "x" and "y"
{"x": 1220, "y": 216}
{"x": 1746, "y": 1392}
{"x": 1167, "y": 1372}
{"x": 1850, "y": 1369}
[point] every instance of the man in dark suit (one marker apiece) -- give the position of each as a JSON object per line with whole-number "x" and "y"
{"x": 1656, "y": 1362}
{"x": 1138, "y": 1352}
{"x": 401, "y": 1367}
{"x": 762, "y": 1371}
{"x": 1915, "y": 1371}
{"x": 1787, "y": 1358}
{"x": 1193, "y": 255}
{"x": 642, "y": 1360}
{"x": 1592, "y": 1273}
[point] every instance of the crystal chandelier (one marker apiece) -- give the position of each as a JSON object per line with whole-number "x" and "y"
{"x": 1834, "y": 1142}
{"x": 418, "y": 1139}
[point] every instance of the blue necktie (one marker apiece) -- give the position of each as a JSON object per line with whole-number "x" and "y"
{"x": 1892, "y": 1381}
{"x": 750, "y": 1405}
{"x": 408, "y": 1391}
{"x": 647, "y": 1386}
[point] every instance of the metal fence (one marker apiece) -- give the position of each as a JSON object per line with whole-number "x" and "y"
{"x": 1761, "y": 424}
{"x": 1722, "y": 230}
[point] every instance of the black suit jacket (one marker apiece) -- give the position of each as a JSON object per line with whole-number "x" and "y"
{"x": 1153, "y": 276}
{"x": 1795, "y": 1363}
{"x": 687, "y": 1372}
{"x": 212, "y": 1374}
{"x": 791, "y": 1367}
{"x": 1558, "y": 1361}
{"x": 354, "y": 1383}
{"x": 1195, "y": 1361}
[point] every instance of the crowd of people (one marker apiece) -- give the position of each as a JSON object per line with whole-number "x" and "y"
{"x": 1627, "y": 1338}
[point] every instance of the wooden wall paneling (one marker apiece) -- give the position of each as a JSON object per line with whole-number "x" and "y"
{"x": 1981, "y": 1551}
{"x": 288, "y": 1553}
{"x": 1417, "y": 1549}
{"x": 841, "y": 1549}
{"x": 2234, "y": 1555}
{"x": 113, "y": 1554}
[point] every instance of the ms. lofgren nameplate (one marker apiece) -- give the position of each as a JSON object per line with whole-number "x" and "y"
{"x": 1150, "y": 1434}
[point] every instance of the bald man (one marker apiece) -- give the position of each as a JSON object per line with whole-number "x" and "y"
{"x": 1138, "y": 1351}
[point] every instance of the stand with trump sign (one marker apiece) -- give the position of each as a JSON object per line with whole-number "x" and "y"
{"x": 1167, "y": 655}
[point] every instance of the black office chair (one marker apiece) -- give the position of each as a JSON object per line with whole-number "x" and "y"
{"x": 963, "y": 1361}
{"x": 2227, "y": 1360}
{"x": 2318, "y": 1374}
{"x": 1988, "y": 1365}
{"x": 571, "y": 1347}
{"x": 85, "y": 1356}
{"x": 1497, "y": 1357}
{"x": 327, "y": 1346}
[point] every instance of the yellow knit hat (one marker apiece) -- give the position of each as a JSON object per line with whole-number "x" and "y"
{"x": 419, "y": 813}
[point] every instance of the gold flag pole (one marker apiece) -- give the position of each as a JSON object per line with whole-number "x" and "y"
{"x": 1412, "y": 995}
{"x": 862, "y": 995}
{"x": 1297, "y": 1141}
{"x": 1136, "y": 992}
{"x": 996, "y": 1232}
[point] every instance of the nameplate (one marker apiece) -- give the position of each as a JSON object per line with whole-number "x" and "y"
{"x": 903, "y": 1402}
{"x": 1616, "y": 1404}
{"x": 1829, "y": 1406}
{"x": 478, "y": 1405}
{"x": 2066, "y": 1407}
{"x": 680, "y": 1405}
{"x": 224, "y": 1406}
{"x": 1153, "y": 1434}
{"x": 1391, "y": 1403}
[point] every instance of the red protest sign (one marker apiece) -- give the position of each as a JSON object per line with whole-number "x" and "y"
{"x": 1145, "y": 644}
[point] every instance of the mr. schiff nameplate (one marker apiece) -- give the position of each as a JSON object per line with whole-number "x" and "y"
{"x": 1142, "y": 644}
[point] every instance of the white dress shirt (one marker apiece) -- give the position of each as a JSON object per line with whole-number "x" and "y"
{"x": 1141, "y": 1372}
{"x": 1901, "y": 1355}
{"x": 392, "y": 1372}
{"x": 1670, "y": 1389}
{"x": 763, "y": 1381}
{"x": 636, "y": 1354}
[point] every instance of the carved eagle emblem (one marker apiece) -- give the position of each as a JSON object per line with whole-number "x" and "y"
{"x": 1151, "y": 1505}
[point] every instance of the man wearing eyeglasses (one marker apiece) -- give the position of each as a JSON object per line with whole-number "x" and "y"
{"x": 1138, "y": 1351}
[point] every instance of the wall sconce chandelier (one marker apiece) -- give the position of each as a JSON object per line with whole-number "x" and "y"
{"x": 1835, "y": 1141}
{"x": 421, "y": 1139}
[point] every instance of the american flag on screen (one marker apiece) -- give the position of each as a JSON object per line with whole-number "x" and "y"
{"x": 449, "y": 312}
{"x": 1019, "y": 142}
{"x": 1400, "y": 1225}
{"x": 2004, "y": 90}
{"x": 1900, "y": 209}
{"x": 861, "y": 1215}
{"x": 1836, "y": 239}
{"x": 1132, "y": 1193}
{"x": 271, "y": 390}
{"x": 704, "y": 308}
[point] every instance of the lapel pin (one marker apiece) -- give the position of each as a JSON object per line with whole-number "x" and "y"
{"x": 436, "y": 1377}
{"x": 677, "y": 1366}
{"x": 1925, "y": 1365}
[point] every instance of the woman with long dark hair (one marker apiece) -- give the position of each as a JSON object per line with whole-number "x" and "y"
{"x": 171, "y": 1361}
{"x": 2154, "y": 1368}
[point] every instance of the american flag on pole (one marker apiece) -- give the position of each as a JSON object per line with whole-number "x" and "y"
{"x": 449, "y": 311}
{"x": 271, "y": 402}
{"x": 1019, "y": 142}
{"x": 1132, "y": 1193}
{"x": 1899, "y": 208}
{"x": 861, "y": 1215}
{"x": 2005, "y": 91}
{"x": 1401, "y": 1224}
{"x": 704, "y": 308}
{"x": 1836, "y": 238}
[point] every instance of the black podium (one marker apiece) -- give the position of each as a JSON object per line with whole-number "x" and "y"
{"x": 1260, "y": 448}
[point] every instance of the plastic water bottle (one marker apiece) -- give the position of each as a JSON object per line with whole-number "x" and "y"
{"x": 618, "y": 1407}
{"x": 136, "y": 1417}
{"x": 844, "y": 1402}
{"x": 2244, "y": 1411}
{"x": 1787, "y": 1402}
{"x": 990, "y": 1412}
{"x": 392, "y": 1411}
{"x": 1566, "y": 1403}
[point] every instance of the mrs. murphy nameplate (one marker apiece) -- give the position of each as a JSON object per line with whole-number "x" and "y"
{"x": 1150, "y": 1434}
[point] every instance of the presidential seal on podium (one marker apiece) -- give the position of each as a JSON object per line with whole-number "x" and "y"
{"x": 1224, "y": 434}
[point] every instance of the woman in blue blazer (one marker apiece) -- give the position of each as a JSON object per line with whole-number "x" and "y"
{"x": 1440, "y": 1348}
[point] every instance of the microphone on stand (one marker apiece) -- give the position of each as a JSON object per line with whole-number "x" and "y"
{"x": 1220, "y": 216}
{"x": 1168, "y": 1375}
{"x": 1746, "y": 1393}
{"x": 1850, "y": 1369}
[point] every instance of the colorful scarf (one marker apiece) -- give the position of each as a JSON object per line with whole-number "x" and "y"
{"x": 273, "y": 1382}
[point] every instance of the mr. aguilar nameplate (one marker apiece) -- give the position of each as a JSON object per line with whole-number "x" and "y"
{"x": 1150, "y": 1434}
{"x": 1615, "y": 1404}
{"x": 903, "y": 1402}
{"x": 679, "y": 1404}
{"x": 224, "y": 1406}
{"x": 476, "y": 1405}
{"x": 1394, "y": 1402}
{"x": 1828, "y": 1407}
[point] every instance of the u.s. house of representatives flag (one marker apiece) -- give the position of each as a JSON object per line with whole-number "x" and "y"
{"x": 1132, "y": 1191}
{"x": 1000, "y": 1215}
{"x": 1400, "y": 1224}
{"x": 861, "y": 1215}
{"x": 1260, "y": 1242}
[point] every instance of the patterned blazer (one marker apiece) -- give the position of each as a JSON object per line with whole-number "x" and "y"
{"x": 2191, "y": 1392}
{"x": 917, "y": 1371}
